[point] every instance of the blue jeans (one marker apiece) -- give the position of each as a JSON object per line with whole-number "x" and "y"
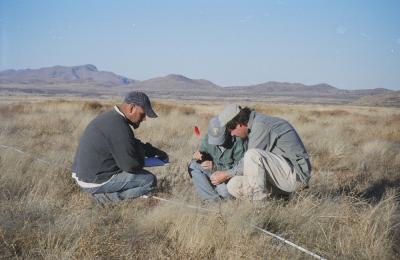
{"x": 124, "y": 186}
{"x": 206, "y": 190}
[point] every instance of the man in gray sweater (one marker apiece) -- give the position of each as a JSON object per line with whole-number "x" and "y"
{"x": 276, "y": 160}
{"x": 109, "y": 159}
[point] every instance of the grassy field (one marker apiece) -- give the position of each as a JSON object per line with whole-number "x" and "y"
{"x": 350, "y": 211}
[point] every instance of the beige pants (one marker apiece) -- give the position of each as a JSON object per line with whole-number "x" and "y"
{"x": 263, "y": 172}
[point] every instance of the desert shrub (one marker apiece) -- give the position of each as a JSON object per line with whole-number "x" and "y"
{"x": 303, "y": 119}
{"x": 92, "y": 106}
{"x": 187, "y": 110}
{"x": 163, "y": 108}
{"x": 13, "y": 109}
{"x": 335, "y": 113}
{"x": 271, "y": 110}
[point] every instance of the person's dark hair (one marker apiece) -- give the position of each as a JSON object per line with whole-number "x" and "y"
{"x": 241, "y": 118}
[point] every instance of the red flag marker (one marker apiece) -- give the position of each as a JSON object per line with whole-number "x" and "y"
{"x": 196, "y": 132}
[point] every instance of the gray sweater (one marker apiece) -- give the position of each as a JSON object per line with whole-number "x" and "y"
{"x": 277, "y": 136}
{"x": 107, "y": 147}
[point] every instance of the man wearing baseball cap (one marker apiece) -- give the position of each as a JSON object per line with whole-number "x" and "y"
{"x": 276, "y": 161}
{"x": 109, "y": 159}
{"x": 218, "y": 152}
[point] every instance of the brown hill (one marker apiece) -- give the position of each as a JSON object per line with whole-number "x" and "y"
{"x": 62, "y": 74}
{"x": 174, "y": 82}
{"x": 386, "y": 99}
{"x": 285, "y": 87}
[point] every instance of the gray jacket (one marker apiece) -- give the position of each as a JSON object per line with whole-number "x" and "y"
{"x": 279, "y": 137}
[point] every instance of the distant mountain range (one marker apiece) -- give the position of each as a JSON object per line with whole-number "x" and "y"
{"x": 88, "y": 80}
{"x": 62, "y": 74}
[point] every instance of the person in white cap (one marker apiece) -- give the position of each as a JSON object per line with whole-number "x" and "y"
{"x": 276, "y": 161}
{"x": 109, "y": 159}
{"x": 218, "y": 151}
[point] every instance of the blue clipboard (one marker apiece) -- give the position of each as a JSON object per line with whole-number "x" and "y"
{"x": 154, "y": 162}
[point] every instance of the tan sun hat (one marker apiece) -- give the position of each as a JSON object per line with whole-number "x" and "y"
{"x": 228, "y": 114}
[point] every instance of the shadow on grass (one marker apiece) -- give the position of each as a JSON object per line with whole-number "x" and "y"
{"x": 377, "y": 190}
{"x": 373, "y": 194}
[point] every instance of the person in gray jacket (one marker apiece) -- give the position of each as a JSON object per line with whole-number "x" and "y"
{"x": 109, "y": 159}
{"x": 276, "y": 160}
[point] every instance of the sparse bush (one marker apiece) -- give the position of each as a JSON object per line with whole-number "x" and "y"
{"x": 166, "y": 109}
{"x": 335, "y": 113}
{"x": 92, "y": 106}
{"x": 9, "y": 110}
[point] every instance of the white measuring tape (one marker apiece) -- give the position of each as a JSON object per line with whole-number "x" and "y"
{"x": 188, "y": 206}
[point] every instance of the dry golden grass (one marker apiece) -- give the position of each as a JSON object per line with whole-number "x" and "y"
{"x": 350, "y": 211}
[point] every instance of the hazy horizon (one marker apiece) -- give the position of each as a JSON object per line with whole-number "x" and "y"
{"x": 349, "y": 45}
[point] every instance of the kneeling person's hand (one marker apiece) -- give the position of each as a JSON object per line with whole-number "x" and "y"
{"x": 219, "y": 177}
{"x": 198, "y": 156}
{"x": 207, "y": 165}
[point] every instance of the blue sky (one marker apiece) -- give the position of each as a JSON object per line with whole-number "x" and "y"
{"x": 348, "y": 44}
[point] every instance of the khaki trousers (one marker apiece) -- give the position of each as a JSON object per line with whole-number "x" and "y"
{"x": 263, "y": 173}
